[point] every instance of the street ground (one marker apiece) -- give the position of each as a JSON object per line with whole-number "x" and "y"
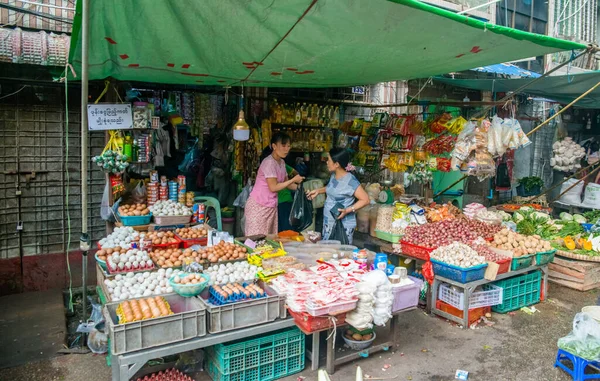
{"x": 517, "y": 347}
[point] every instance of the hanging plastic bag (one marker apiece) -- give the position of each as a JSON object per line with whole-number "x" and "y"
{"x": 138, "y": 194}
{"x": 302, "y": 210}
{"x": 338, "y": 233}
{"x": 242, "y": 198}
{"x": 584, "y": 340}
{"x": 105, "y": 212}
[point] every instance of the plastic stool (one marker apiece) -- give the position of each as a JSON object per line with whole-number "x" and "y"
{"x": 579, "y": 366}
{"x": 215, "y": 204}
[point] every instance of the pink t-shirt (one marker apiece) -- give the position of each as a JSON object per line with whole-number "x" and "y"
{"x": 269, "y": 168}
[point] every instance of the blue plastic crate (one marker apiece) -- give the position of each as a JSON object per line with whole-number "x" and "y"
{"x": 218, "y": 300}
{"x": 258, "y": 359}
{"x": 135, "y": 220}
{"x": 519, "y": 291}
{"x": 458, "y": 274}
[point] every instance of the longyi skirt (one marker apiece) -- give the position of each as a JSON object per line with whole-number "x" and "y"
{"x": 259, "y": 219}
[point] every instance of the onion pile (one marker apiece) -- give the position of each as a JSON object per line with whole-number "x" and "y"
{"x": 167, "y": 375}
{"x": 457, "y": 254}
{"x": 448, "y": 231}
{"x": 481, "y": 246}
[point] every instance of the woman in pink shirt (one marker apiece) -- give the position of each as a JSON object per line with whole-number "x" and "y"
{"x": 261, "y": 208}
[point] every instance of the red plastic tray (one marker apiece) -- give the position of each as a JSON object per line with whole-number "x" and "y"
{"x": 172, "y": 245}
{"x": 416, "y": 251}
{"x": 309, "y": 323}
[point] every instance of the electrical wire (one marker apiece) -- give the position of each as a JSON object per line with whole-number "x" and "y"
{"x": 39, "y": 14}
{"x": 16, "y": 92}
{"x": 67, "y": 188}
{"x": 46, "y": 5}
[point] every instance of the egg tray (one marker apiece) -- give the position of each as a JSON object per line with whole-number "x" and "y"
{"x": 112, "y": 271}
{"x": 121, "y": 315}
{"x": 218, "y": 300}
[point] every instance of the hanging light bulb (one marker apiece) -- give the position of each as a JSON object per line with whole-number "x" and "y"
{"x": 241, "y": 130}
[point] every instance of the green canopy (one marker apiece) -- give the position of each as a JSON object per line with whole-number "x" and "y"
{"x": 292, "y": 43}
{"x": 561, "y": 88}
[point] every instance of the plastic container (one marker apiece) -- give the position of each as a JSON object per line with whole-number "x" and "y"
{"x": 522, "y": 262}
{"x": 362, "y": 220}
{"x": 587, "y": 227}
{"x": 172, "y": 220}
{"x": 389, "y": 237}
{"x": 473, "y": 316}
{"x": 490, "y": 296}
{"x": 187, "y": 322}
{"x": 415, "y": 251}
{"x": 593, "y": 311}
{"x": 359, "y": 345}
{"x": 188, "y": 290}
{"x": 407, "y": 296}
{"x": 264, "y": 358}
{"x": 135, "y": 220}
{"x": 101, "y": 263}
{"x": 308, "y": 323}
{"x": 544, "y": 257}
{"x": 504, "y": 265}
{"x": 373, "y": 219}
{"x": 331, "y": 309}
{"x": 246, "y": 313}
{"x": 519, "y": 291}
{"x": 532, "y": 192}
{"x": 228, "y": 225}
{"x": 459, "y": 274}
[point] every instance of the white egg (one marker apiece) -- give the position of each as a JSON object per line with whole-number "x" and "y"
{"x": 149, "y": 262}
{"x": 128, "y": 265}
{"x": 169, "y": 271}
{"x": 130, "y": 275}
{"x": 121, "y": 266}
{"x": 157, "y": 291}
{"x": 146, "y": 275}
{"x": 161, "y": 271}
{"x": 151, "y": 286}
{"x": 107, "y": 282}
{"x": 116, "y": 292}
{"x": 118, "y": 277}
{"x": 147, "y": 293}
{"x": 226, "y": 279}
{"x": 135, "y": 264}
{"x": 137, "y": 295}
{"x": 112, "y": 284}
{"x": 169, "y": 289}
{"x": 124, "y": 295}
{"x": 127, "y": 283}
{"x": 162, "y": 283}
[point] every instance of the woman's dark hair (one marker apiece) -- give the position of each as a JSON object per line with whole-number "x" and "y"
{"x": 278, "y": 137}
{"x": 340, "y": 156}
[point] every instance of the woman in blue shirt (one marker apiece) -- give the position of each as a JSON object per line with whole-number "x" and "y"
{"x": 343, "y": 188}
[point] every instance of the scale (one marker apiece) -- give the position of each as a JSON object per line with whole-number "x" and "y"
{"x": 386, "y": 196}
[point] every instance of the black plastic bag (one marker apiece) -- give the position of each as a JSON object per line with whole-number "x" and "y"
{"x": 301, "y": 216}
{"x": 338, "y": 233}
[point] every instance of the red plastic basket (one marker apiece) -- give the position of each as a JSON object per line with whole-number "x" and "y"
{"x": 474, "y": 314}
{"x": 504, "y": 265}
{"x": 415, "y": 251}
{"x": 309, "y": 323}
{"x": 191, "y": 242}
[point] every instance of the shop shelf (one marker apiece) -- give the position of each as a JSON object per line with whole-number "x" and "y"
{"x": 244, "y": 313}
{"x": 474, "y": 314}
{"x": 415, "y": 251}
{"x": 458, "y": 274}
{"x": 406, "y": 296}
{"x": 263, "y": 358}
{"x": 519, "y": 291}
{"x": 135, "y": 220}
{"x": 521, "y": 262}
{"x": 389, "y": 237}
{"x": 188, "y": 321}
{"x": 544, "y": 257}
{"x": 309, "y": 323}
{"x": 489, "y": 296}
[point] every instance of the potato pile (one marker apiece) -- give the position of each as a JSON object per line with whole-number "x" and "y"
{"x": 191, "y": 233}
{"x": 223, "y": 251}
{"x": 167, "y": 258}
{"x": 134, "y": 210}
{"x": 357, "y": 336}
{"x": 103, "y": 253}
{"x": 161, "y": 238}
{"x": 519, "y": 244}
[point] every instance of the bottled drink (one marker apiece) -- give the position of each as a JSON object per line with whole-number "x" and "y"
{"x": 304, "y": 111}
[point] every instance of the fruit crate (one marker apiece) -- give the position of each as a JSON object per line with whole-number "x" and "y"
{"x": 474, "y": 314}
{"x": 308, "y": 323}
{"x": 263, "y": 358}
{"x": 522, "y": 262}
{"x": 519, "y": 291}
{"x": 544, "y": 257}
{"x": 490, "y": 296}
{"x": 458, "y": 274}
{"x": 416, "y": 251}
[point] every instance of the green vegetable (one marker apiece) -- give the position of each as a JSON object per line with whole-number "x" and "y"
{"x": 566, "y": 216}
{"x": 571, "y": 228}
{"x": 579, "y": 218}
{"x": 592, "y": 216}
{"x": 531, "y": 182}
{"x": 517, "y": 217}
{"x": 525, "y": 209}
{"x": 505, "y": 216}
{"x": 541, "y": 215}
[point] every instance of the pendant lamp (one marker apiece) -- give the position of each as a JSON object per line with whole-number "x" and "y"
{"x": 241, "y": 130}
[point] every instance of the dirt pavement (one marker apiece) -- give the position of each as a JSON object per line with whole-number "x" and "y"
{"x": 517, "y": 347}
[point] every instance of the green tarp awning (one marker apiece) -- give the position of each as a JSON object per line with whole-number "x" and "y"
{"x": 560, "y": 88}
{"x": 292, "y": 43}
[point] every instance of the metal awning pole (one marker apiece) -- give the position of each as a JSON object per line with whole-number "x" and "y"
{"x": 84, "y": 242}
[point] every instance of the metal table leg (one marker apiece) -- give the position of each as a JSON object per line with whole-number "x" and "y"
{"x": 330, "y": 352}
{"x": 314, "y": 356}
{"x": 468, "y": 292}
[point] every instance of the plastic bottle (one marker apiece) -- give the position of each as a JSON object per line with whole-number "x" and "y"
{"x": 278, "y": 113}
{"x": 336, "y": 118}
{"x": 304, "y": 112}
{"x": 298, "y": 114}
{"x": 312, "y": 141}
{"x": 128, "y": 147}
{"x": 273, "y": 111}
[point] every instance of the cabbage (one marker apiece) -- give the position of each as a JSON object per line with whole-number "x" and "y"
{"x": 541, "y": 215}
{"x": 517, "y": 217}
{"x": 566, "y": 216}
{"x": 579, "y": 218}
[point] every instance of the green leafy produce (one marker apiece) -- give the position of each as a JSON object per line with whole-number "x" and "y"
{"x": 579, "y": 218}
{"x": 517, "y": 217}
{"x": 531, "y": 182}
{"x": 592, "y": 216}
{"x": 532, "y": 223}
{"x": 566, "y": 216}
{"x": 571, "y": 228}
